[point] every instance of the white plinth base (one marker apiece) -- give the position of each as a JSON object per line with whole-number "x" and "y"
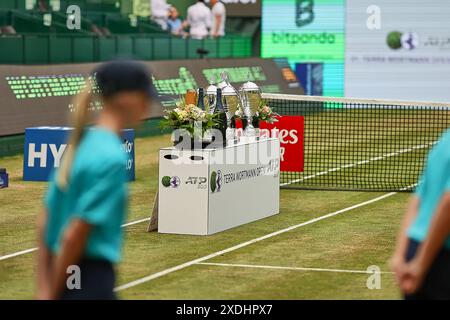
{"x": 202, "y": 192}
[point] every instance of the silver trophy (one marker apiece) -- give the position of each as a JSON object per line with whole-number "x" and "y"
{"x": 231, "y": 103}
{"x": 251, "y": 97}
{"x": 211, "y": 97}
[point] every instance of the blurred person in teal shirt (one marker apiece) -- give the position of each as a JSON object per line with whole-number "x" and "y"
{"x": 421, "y": 260}
{"x": 86, "y": 201}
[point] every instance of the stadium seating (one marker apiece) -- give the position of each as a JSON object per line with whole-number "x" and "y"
{"x": 35, "y": 37}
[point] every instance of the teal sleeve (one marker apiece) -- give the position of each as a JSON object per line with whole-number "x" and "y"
{"x": 100, "y": 194}
{"x": 420, "y": 188}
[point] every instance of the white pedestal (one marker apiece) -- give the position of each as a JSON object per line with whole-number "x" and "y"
{"x": 202, "y": 192}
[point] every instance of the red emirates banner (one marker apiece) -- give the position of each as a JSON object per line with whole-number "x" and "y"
{"x": 290, "y": 130}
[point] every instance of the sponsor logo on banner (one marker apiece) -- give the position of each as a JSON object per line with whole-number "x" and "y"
{"x": 165, "y": 181}
{"x": 216, "y": 181}
{"x": 175, "y": 182}
{"x": 128, "y": 147}
{"x": 304, "y": 13}
{"x": 200, "y": 182}
{"x": 170, "y": 182}
{"x": 397, "y": 40}
{"x": 290, "y": 130}
{"x": 44, "y": 149}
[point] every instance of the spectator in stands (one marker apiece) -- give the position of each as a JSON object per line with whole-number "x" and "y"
{"x": 219, "y": 16}
{"x": 174, "y": 23}
{"x": 160, "y": 12}
{"x": 199, "y": 20}
{"x": 7, "y": 30}
{"x": 42, "y": 5}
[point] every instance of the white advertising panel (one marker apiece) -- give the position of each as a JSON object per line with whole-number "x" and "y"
{"x": 398, "y": 49}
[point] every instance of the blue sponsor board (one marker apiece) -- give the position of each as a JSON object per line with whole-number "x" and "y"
{"x": 45, "y": 146}
{"x": 3, "y": 178}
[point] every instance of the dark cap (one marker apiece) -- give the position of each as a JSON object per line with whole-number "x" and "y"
{"x": 122, "y": 76}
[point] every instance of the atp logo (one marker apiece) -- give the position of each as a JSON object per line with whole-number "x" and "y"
{"x": 304, "y": 12}
{"x": 216, "y": 181}
{"x": 200, "y": 182}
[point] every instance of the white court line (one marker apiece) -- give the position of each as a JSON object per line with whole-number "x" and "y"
{"x": 351, "y": 165}
{"x": 19, "y": 253}
{"x": 245, "y": 244}
{"x": 289, "y": 268}
{"x": 135, "y": 222}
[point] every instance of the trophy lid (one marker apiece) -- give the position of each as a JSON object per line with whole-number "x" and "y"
{"x": 211, "y": 90}
{"x": 228, "y": 90}
{"x": 250, "y": 86}
{"x": 222, "y": 84}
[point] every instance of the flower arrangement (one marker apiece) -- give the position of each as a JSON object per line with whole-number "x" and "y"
{"x": 263, "y": 113}
{"x": 189, "y": 117}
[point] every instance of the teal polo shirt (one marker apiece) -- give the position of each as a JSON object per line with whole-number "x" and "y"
{"x": 96, "y": 194}
{"x": 434, "y": 183}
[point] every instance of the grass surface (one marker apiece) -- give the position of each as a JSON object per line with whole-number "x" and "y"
{"x": 352, "y": 240}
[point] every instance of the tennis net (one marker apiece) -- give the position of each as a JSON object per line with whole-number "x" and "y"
{"x": 360, "y": 144}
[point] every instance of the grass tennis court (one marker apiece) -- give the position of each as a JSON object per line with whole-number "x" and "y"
{"x": 270, "y": 268}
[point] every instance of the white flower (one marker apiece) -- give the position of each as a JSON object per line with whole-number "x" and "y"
{"x": 183, "y": 115}
{"x": 197, "y": 113}
{"x": 202, "y": 116}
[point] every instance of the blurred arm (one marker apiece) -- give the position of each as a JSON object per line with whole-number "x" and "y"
{"x": 217, "y": 26}
{"x": 73, "y": 243}
{"x": 44, "y": 259}
{"x": 437, "y": 234}
{"x": 186, "y": 23}
{"x": 402, "y": 238}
